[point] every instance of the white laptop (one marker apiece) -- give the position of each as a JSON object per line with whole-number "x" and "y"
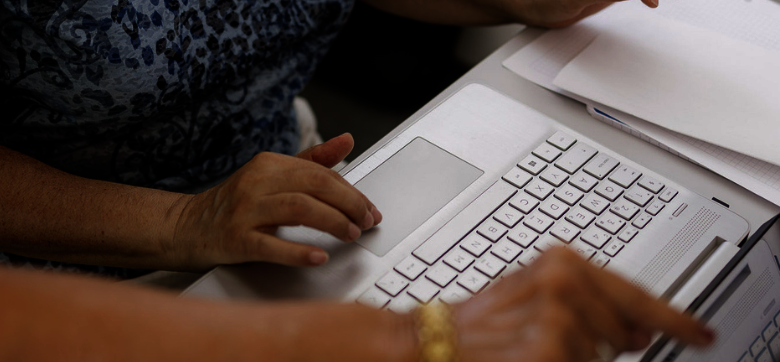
{"x": 742, "y": 305}
{"x": 481, "y": 186}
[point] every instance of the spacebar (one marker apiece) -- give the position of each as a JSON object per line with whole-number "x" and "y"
{"x": 444, "y": 239}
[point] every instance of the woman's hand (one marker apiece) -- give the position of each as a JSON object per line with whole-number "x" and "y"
{"x": 560, "y": 309}
{"x": 544, "y": 13}
{"x": 236, "y": 221}
{"x": 556, "y": 13}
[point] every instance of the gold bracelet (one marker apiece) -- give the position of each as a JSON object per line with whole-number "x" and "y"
{"x": 436, "y": 333}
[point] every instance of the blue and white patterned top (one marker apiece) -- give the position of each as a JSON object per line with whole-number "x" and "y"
{"x": 168, "y": 94}
{"x": 158, "y": 93}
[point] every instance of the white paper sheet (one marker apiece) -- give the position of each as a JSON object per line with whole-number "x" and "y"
{"x": 762, "y": 178}
{"x": 754, "y": 21}
{"x": 684, "y": 78}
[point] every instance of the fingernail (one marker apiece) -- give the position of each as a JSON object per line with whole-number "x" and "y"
{"x": 368, "y": 221}
{"x": 318, "y": 257}
{"x": 377, "y": 215}
{"x": 353, "y": 233}
{"x": 654, "y": 2}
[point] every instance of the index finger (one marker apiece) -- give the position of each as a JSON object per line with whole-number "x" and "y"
{"x": 648, "y": 313}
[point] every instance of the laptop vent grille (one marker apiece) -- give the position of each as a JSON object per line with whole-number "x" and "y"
{"x": 652, "y": 273}
{"x": 738, "y": 314}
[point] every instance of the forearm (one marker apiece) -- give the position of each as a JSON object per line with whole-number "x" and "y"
{"x": 454, "y": 12}
{"x": 47, "y": 213}
{"x": 78, "y": 319}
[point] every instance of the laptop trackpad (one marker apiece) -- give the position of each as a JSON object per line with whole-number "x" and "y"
{"x": 409, "y": 187}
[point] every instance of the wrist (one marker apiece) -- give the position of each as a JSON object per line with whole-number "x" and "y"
{"x": 403, "y": 338}
{"x": 172, "y": 254}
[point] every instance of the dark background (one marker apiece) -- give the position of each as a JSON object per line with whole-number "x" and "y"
{"x": 380, "y": 70}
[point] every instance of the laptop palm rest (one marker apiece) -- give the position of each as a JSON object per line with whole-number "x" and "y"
{"x": 409, "y": 188}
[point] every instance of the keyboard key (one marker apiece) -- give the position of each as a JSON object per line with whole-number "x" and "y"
{"x": 655, "y": 208}
{"x": 777, "y": 319}
{"x": 444, "y": 239}
{"x": 769, "y": 331}
{"x": 600, "y": 260}
{"x": 508, "y": 216}
{"x": 577, "y": 156}
{"x": 565, "y": 231}
{"x": 392, "y": 283}
{"x": 547, "y": 242}
{"x": 538, "y": 222}
{"x": 554, "y": 208}
{"x": 596, "y": 237}
{"x": 569, "y": 194}
{"x": 522, "y": 236}
{"x": 609, "y": 190}
{"x": 454, "y": 294}
{"x": 639, "y": 196}
{"x": 459, "y": 260}
{"x": 403, "y": 304}
{"x": 528, "y": 257}
{"x": 375, "y": 298}
{"x": 625, "y": 176}
{"x": 580, "y": 217}
{"x": 774, "y": 345}
{"x": 475, "y": 244}
{"x": 532, "y": 164}
{"x": 611, "y": 223}
{"x": 517, "y": 177}
{"x": 668, "y": 194}
{"x": 492, "y": 230}
{"x": 756, "y": 346}
{"x": 651, "y": 184}
{"x": 595, "y": 204}
{"x": 561, "y": 140}
{"x": 583, "y": 181}
{"x": 642, "y": 220}
{"x": 411, "y": 267}
{"x": 583, "y": 249}
{"x": 764, "y": 356}
{"x": 601, "y": 166}
{"x": 473, "y": 281}
{"x": 441, "y": 274}
{"x": 628, "y": 234}
{"x": 490, "y": 266}
{"x": 613, "y": 247}
{"x": 506, "y": 250}
{"x": 547, "y": 152}
{"x": 554, "y": 176}
{"x": 524, "y": 202}
{"x": 539, "y": 189}
{"x": 624, "y": 209}
{"x": 423, "y": 291}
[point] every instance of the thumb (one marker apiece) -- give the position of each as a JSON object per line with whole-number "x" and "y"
{"x": 330, "y": 153}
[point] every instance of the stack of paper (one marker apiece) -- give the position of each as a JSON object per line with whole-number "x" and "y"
{"x": 693, "y": 83}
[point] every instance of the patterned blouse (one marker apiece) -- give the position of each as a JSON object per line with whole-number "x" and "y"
{"x": 168, "y": 94}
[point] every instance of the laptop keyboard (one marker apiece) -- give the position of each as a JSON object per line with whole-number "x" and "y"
{"x": 565, "y": 193}
{"x": 766, "y": 346}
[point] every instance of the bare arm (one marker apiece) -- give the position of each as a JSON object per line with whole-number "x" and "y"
{"x": 556, "y": 310}
{"x": 48, "y": 317}
{"x": 50, "y": 214}
{"x": 47, "y": 213}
